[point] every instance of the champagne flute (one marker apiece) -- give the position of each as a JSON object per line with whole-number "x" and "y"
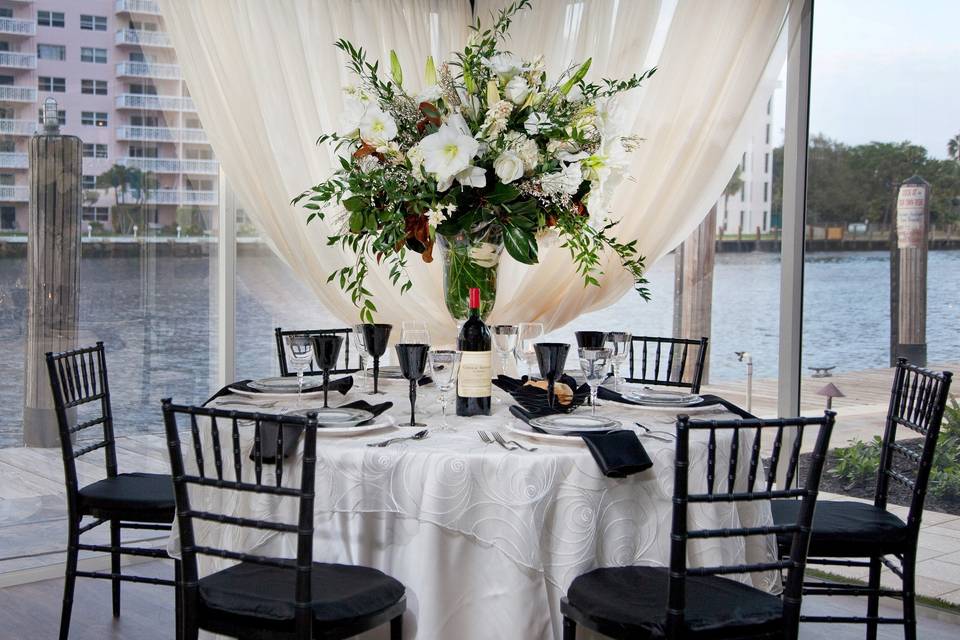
{"x": 619, "y": 343}
{"x": 375, "y": 339}
{"x": 361, "y": 354}
{"x": 446, "y": 365}
{"x": 527, "y": 335}
{"x": 593, "y": 364}
{"x": 413, "y": 361}
{"x": 300, "y": 350}
{"x": 327, "y": 346}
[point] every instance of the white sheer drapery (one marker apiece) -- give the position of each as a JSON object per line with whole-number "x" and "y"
{"x": 269, "y": 82}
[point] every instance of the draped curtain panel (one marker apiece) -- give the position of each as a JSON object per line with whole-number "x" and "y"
{"x": 270, "y": 82}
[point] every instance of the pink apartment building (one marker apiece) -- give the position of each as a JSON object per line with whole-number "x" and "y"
{"x": 113, "y": 72}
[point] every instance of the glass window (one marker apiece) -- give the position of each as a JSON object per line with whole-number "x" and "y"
{"x": 93, "y": 54}
{"x": 50, "y": 19}
{"x": 87, "y": 181}
{"x": 93, "y": 23}
{"x": 96, "y": 214}
{"x": 51, "y": 52}
{"x": 95, "y": 118}
{"x": 48, "y": 83}
{"x": 94, "y": 87}
{"x": 94, "y": 150}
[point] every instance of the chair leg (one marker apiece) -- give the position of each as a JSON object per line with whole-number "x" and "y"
{"x": 909, "y": 597}
{"x": 569, "y": 629}
{"x": 873, "y": 600}
{"x": 396, "y": 628}
{"x": 115, "y": 564}
{"x": 70, "y": 579}
{"x": 178, "y": 599}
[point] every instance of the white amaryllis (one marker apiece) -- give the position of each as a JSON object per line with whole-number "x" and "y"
{"x": 446, "y": 153}
{"x": 473, "y": 177}
{"x": 567, "y": 180}
{"x": 535, "y": 122}
{"x": 508, "y": 166}
{"x": 377, "y": 127}
{"x": 354, "y": 107}
{"x": 505, "y": 65}
{"x": 517, "y": 90}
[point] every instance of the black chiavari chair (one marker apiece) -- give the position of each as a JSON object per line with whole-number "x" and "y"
{"x": 142, "y": 501}
{"x": 260, "y": 596}
{"x": 281, "y": 335}
{"x": 855, "y": 534}
{"x": 699, "y": 602}
{"x": 669, "y": 362}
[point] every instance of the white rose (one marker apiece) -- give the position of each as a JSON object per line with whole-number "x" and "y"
{"x": 508, "y": 166}
{"x": 415, "y": 156}
{"x": 535, "y": 122}
{"x": 517, "y": 90}
{"x": 431, "y": 94}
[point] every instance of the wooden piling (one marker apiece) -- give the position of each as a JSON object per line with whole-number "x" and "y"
{"x": 693, "y": 284}
{"x": 913, "y": 222}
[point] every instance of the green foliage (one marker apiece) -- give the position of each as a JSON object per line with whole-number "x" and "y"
{"x": 945, "y": 475}
{"x": 859, "y": 462}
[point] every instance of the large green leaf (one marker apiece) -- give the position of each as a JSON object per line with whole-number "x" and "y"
{"x": 353, "y": 203}
{"x": 520, "y": 244}
{"x": 502, "y": 193}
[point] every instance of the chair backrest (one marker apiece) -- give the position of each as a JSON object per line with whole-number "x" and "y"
{"x": 743, "y": 478}
{"x": 282, "y": 334}
{"x": 670, "y": 362}
{"x": 237, "y": 467}
{"x": 81, "y": 400}
{"x": 917, "y": 402}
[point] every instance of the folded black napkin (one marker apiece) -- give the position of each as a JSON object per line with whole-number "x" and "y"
{"x": 708, "y": 400}
{"x": 343, "y": 385}
{"x": 534, "y": 399}
{"x": 291, "y": 434}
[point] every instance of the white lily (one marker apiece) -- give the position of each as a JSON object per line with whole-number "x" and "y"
{"x": 377, "y": 127}
{"x": 446, "y": 153}
{"x": 473, "y": 177}
{"x": 354, "y": 107}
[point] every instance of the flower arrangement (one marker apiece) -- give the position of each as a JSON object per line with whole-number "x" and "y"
{"x": 489, "y": 156}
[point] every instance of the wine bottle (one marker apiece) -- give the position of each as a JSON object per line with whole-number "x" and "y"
{"x": 473, "y": 383}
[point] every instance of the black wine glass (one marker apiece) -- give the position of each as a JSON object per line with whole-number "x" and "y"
{"x": 326, "y": 350}
{"x": 413, "y": 363}
{"x": 375, "y": 339}
{"x": 590, "y": 339}
{"x": 551, "y": 358}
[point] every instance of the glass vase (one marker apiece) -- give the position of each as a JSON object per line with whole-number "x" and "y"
{"x": 470, "y": 259}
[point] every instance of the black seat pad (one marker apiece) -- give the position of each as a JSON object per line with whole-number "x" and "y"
{"x": 845, "y": 529}
{"x": 635, "y": 599}
{"x": 146, "y": 497}
{"x": 339, "y": 592}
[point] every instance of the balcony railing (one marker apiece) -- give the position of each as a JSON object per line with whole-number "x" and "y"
{"x": 197, "y": 136}
{"x": 149, "y": 70}
{"x": 138, "y": 6}
{"x": 14, "y": 60}
{"x": 172, "y": 165}
{"x": 141, "y": 101}
{"x": 17, "y": 127}
{"x": 17, "y": 27}
{"x": 11, "y": 160}
{"x": 162, "y": 134}
{"x": 9, "y": 93}
{"x": 14, "y": 194}
{"x": 174, "y": 196}
{"x": 143, "y": 38}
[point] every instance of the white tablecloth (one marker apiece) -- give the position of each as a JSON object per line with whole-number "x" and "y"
{"x": 485, "y": 540}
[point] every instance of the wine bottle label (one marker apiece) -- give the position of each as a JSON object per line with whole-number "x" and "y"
{"x": 474, "y": 378}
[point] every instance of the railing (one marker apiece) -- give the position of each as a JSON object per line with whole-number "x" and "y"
{"x": 171, "y": 165}
{"x": 17, "y": 127}
{"x": 198, "y": 136}
{"x": 18, "y": 27}
{"x": 143, "y": 38}
{"x": 156, "y": 134}
{"x": 17, "y": 94}
{"x": 14, "y": 194}
{"x": 14, "y": 60}
{"x": 12, "y": 160}
{"x": 149, "y": 70}
{"x": 157, "y": 103}
{"x": 174, "y": 196}
{"x": 138, "y": 6}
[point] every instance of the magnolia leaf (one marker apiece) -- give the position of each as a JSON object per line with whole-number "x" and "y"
{"x": 503, "y": 193}
{"x": 430, "y": 74}
{"x": 395, "y": 69}
{"x": 520, "y": 244}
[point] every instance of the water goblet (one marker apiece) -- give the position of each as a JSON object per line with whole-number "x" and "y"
{"x": 413, "y": 362}
{"x": 590, "y": 339}
{"x": 593, "y": 364}
{"x": 361, "y": 354}
{"x": 414, "y": 332}
{"x": 505, "y": 341}
{"x": 551, "y": 358}
{"x": 375, "y": 339}
{"x": 300, "y": 350}
{"x": 446, "y": 365}
{"x": 527, "y": 334}
{"x": 326, "y": 347}
{"x": 619, "y": 343}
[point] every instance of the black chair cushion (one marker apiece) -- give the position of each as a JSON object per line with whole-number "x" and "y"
{"x": 339, "y": 592}
{"x": 634, "y": 600}
{"x": 145, "y": 497}
{"x": 845, "y": 529}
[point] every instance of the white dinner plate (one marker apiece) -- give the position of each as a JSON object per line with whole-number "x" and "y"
{"x": 564, "y": 423}
{"x": 334, "y": 416}
{"x": 344, "y": 428}
{"x": 284, "y": 384}
{"x": 662, "y": 397}
{"x": 275, "y": 396}
{"x": 523, "y": 429}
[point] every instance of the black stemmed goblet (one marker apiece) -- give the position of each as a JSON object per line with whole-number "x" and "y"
{"x": 375, "y": 338}
{"x": 551, "y": 358}
{"x": 326, "y": 350}
{"x": 590, "y": 339}
{"x": 413, "y": 363}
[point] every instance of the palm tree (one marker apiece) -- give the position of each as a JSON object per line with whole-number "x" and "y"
{"x": 953, "y": 148}
{"x": 117, "y": 178}
{"x": 734, "y": 185}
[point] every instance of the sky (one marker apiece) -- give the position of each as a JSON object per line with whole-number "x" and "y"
{"x": 885, "y": 70}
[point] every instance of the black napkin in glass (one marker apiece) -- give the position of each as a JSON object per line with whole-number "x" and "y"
{"x": 708, "y": 400}
{"x": 534, "y": 399}
{"x": 343, "y": 385}
{"x": 291, "y": 434}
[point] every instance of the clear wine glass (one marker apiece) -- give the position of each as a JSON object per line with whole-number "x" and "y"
{"x": 527, "y": 335}
{"x": 446, "y": 365}
{"x": 361, "y": 354}
{"x": 593, "y": 364}
{"x": 414, "y": 332}
{"x": 300, "y": 352}
{"x": 619, "y": 344}
{"x": 505, "y": 342}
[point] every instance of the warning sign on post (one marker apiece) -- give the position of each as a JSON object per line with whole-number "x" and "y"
{"x": 911, "y": 216}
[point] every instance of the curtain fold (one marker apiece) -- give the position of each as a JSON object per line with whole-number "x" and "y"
{"x": 270, "y": 81}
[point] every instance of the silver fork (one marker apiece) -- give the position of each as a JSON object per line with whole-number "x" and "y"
{"x": 652, "y": 433}
{"x": 488, "y": 440}
{"x": 502, "y": 442}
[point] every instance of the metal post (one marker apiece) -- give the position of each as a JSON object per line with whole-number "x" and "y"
{"x": 53, "y": 268}
{"x": 226, "y": 283}
{"x": 913, "y": 221}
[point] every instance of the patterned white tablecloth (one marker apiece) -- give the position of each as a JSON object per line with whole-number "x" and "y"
{"x": 486, "y": 540}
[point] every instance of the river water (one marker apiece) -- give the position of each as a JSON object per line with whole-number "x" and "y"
{"x": 158, "y": 323}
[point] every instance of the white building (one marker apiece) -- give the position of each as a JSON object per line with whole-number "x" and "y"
{"x": 750, "y": 208}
